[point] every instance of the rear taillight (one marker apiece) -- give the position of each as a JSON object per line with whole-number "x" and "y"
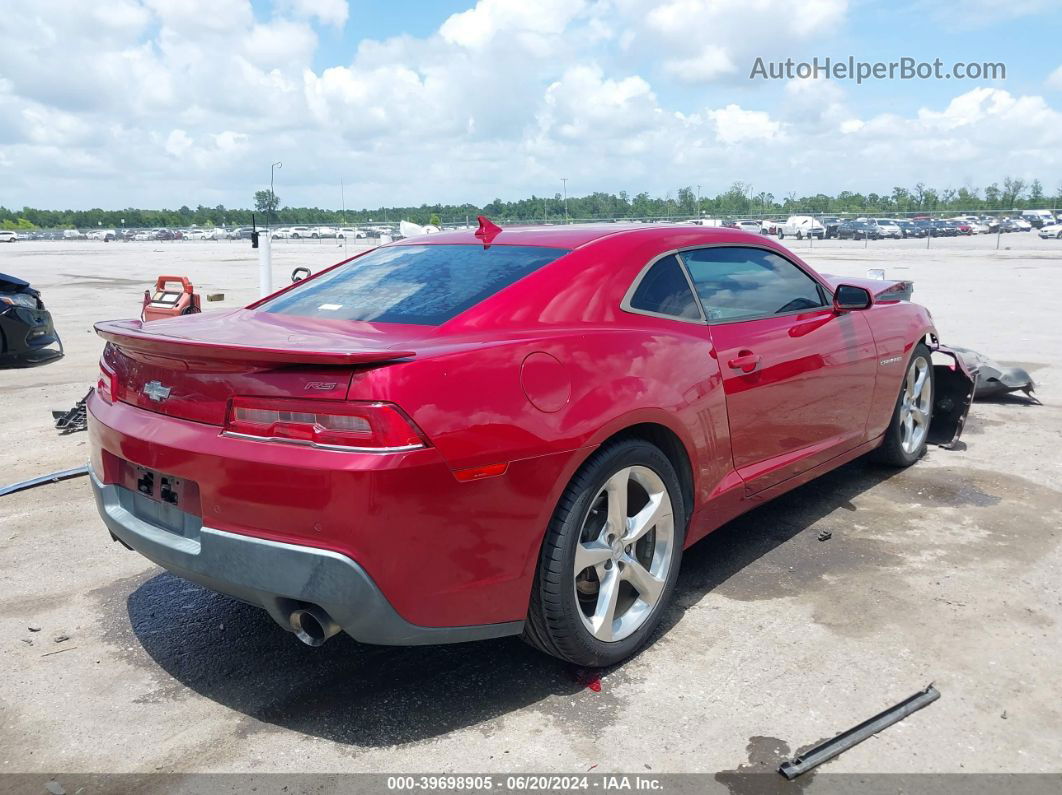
{"x": 107, "y": 384}
{"x": 357, "y": 426}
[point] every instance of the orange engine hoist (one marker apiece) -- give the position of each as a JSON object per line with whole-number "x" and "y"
{"x": 167, "y": 301}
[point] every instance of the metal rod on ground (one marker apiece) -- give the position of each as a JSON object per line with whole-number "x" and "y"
{"x": 265, "y": 264}
{"x": 823, "y": 752}
{"x": 54, "y": 477}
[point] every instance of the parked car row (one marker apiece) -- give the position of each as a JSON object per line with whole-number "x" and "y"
{"x": 824, "y": 227}
{"x": 194, "y": 233}
{"x": 801, "y": 227}
{"x": 317, "y": 232}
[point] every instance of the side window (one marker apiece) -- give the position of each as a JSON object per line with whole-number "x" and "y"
{"x": 665, "y": 291}
{"x": 739, "y": 283}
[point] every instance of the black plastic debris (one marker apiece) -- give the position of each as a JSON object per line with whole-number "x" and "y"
{"x": 825, "y": 535}
{"x": 74, "y": 419}
{"x": 992, "y": 380}
{"x": 825, "y": 751}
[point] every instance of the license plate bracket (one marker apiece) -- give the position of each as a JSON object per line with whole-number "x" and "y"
{"x": 160, "y": 487}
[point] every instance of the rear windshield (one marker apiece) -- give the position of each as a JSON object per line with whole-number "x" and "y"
{"x": 425, "y": 285}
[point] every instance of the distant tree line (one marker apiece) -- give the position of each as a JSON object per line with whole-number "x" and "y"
{"x": 1013, "y": 193}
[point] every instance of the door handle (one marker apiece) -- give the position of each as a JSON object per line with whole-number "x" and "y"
{"x": 745, "y": 361}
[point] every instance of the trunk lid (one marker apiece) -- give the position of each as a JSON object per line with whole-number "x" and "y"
{"x": 189, "y": 367}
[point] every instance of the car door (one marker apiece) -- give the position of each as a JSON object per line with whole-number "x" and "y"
{"x": 797, "y": 377}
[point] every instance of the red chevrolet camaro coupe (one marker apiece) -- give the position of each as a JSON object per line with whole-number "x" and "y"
{"x": 502, "y": 432}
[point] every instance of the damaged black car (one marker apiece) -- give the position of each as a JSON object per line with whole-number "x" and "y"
{"x": 26, "y": 329}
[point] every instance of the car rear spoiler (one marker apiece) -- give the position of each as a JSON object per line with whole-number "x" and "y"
{"x": 130, "y": 335}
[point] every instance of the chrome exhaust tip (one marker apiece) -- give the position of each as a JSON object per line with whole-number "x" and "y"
{"x": 313, "y": 626}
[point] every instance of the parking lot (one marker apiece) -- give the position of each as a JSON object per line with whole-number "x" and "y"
{"x": 948, "y": 572}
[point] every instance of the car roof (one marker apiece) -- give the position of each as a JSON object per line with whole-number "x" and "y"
{"x": 573, "y": 236}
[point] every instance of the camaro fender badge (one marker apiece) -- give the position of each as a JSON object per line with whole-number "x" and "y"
{"x": 890, "y": 360}
{"x": 322, "y": 386}
{"x": 156, "y": 391}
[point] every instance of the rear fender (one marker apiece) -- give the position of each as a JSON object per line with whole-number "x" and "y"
{"x": 954, "y": 388}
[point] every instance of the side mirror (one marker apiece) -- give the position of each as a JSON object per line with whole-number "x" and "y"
{"x": 299, "y": 274}
{"x": 848, "y": 298}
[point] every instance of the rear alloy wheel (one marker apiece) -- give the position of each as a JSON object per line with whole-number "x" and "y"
{"x": 611, "y": 557}
{"x": 906, "y": 437}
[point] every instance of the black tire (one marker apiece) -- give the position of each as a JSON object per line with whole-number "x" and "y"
{"x": 781, "y": 235}
{"x": 892, "y": 452}
{"x": 554, "y": 621}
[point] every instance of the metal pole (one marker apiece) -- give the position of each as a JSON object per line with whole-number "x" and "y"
{"x": 565, "y": 181}
{"x": 272, "y": 195}
{"x": 265, "y": 264}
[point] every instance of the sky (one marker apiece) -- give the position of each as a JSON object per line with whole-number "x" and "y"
{"x": 163, "y": 103}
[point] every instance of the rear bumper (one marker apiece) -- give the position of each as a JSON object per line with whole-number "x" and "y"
{"x": 276, "y": 576}
{"x": 443, "y": 553}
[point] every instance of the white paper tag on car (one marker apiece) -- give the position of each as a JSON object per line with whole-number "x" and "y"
{"x": 330, "y": 307}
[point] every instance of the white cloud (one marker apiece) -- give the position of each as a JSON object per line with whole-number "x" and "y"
{"x": 734, "y": 124}
{"x": 1054, "y": 80}
{"x": 178, "y": 143}
{"x": 528, "y": 21}
{"x": 192, "y": 16}
{"x": 713, "y": 62}
{"x": 280, "y": 42}
{"x": 585, "y": 105}
{"x": 706, "y": 40}
{"x": 327, "y": 12}
{"x": 164, "y": 102}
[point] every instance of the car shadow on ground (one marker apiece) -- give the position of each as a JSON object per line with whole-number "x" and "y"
{"x": 374, "y": 696}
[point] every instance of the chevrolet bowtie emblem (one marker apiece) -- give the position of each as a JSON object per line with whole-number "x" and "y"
{"x": 156, "y": 391}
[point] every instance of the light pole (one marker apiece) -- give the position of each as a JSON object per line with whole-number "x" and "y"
{"x": 272, "y": 195}
{"x": 564, "y": 180}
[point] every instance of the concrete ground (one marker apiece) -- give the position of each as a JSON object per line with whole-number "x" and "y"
{"x": 948, "y": 572}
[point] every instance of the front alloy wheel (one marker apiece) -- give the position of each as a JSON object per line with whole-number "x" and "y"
{"x": 905, "y": 439}
{"x": 916, "y": 405}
